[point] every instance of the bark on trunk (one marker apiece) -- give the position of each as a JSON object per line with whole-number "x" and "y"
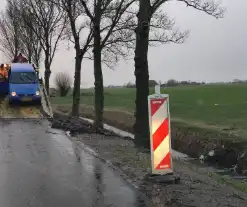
{"x": 16, "y": 48}
{"x": 99, "y": 88}
{"x": 77, "y": 85}
{"x": 29, "y": 56}
{"x": 47, "y": 74}
{"x": 16, "y": 52}
{"x": 141, "y": 125}
{"x": 78, "y": 60}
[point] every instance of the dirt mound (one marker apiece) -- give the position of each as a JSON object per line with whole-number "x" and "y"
{"x": 75, "y": 125}
{"x": 217, "y": 149}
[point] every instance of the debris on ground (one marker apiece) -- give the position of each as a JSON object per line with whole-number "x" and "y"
{"x": 75, "y": 125}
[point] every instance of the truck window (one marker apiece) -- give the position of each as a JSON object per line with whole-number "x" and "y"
{"x": 23, "y": 78}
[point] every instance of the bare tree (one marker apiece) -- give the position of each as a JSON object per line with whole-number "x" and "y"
{"x": 16, "y": 36}
{"x": 28, "y": 39}
{"x": 31, "y": 46}
{"x": 74, "y": 11}
{"x": 10, "y": 42}
{"x": 50, "y": 24}
{"x": 112, "y": 34}
{"x": 36, "y": 53}
{"x": 63, "y": 83}
{"x": 147, "y": 11}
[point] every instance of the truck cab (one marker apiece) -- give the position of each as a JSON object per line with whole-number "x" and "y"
{"x": 23, "y": 83}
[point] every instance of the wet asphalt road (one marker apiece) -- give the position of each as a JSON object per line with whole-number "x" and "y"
{"x": 39, "y": 168}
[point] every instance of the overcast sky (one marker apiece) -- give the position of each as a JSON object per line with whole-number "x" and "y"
{"x": 216, "y": 50}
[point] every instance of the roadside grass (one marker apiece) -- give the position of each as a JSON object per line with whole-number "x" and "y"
{"x": 228, "y": 180}
{"x": 214, "y": 107}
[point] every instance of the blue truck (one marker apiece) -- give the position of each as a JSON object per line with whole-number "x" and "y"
{"x": 21, "y": 84}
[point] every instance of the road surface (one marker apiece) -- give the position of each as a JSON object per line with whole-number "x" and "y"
{"x": 40, "y": 167}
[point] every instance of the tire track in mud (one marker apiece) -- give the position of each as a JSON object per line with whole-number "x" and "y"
{"x": 18, "y": 111}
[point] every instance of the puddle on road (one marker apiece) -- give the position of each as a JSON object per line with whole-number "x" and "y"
{"x": 102, "y": 181}
{"x": 59, "y": 137}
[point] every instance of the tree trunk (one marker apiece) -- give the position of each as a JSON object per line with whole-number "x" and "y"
{"x": 141, "y": 126}
{"x": 78, "y": 60}
{"x": 16, "y": 52}
{"x": 77, "y": 85}
{"x": 99, "y": 87}
{"x": 29, "y": 56}
{"x": 47, "y": 74}
{"x": 16, "y": 47}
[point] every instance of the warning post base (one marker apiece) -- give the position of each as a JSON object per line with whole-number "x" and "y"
{"x": 165, "y": 179}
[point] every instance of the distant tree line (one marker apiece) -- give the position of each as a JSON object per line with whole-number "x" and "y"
{"x": 169, "y": 83}
{"x": 174, "y": 83}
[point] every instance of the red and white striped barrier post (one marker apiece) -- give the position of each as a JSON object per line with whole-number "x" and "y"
{"x": 160, "y": 134}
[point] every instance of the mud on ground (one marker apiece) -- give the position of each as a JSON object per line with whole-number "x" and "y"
{"x": 196, "y": 188}
{"x": 24, "y": 110}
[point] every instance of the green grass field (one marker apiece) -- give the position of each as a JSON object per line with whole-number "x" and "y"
{"x": 215, "y": 106}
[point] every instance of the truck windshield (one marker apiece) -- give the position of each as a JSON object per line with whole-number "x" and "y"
{"x": 23, "y": 78}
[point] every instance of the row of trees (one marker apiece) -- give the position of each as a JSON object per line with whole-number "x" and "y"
{"x": 169, "y": 83}
{"x": 101, "y": 30}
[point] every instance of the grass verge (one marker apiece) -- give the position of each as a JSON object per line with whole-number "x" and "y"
{"x": 226, "y": 179}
